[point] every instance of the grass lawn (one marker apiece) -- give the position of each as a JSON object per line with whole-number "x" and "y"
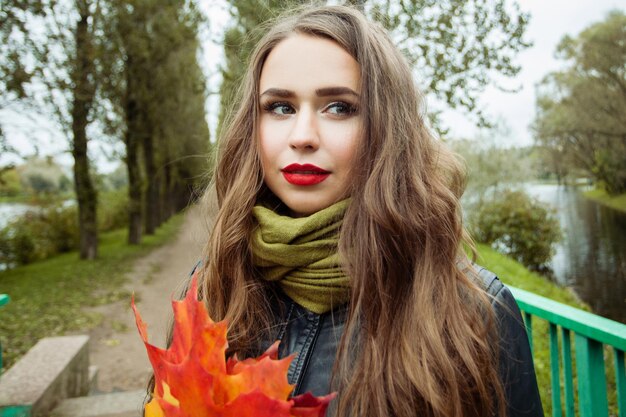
{"x": 617, "y": 202}
{"x": 47, "y": 297}
{"x": 514, "y": 274}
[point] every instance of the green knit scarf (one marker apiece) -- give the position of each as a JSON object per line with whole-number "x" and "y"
{"x": 301, "y": 254}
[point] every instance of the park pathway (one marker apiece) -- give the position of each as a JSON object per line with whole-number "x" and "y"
{"x": 115, "y": 346}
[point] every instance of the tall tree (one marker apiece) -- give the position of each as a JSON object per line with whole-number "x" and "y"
{"x": 82, "y": 93}
{"x": 580, "y": 110}
{"x": 125, "y": 62}
{"x": 177, "y": 111}
{"x": 49, "y": 60}
{"x": 158, "y": 102}
{"x": 456, "y": 47}
{"x": 183, "y": 131}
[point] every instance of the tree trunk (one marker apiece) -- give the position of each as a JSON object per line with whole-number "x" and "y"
{"x": 152, "y": 190}
{"x": 183, "y": 195}
{"x": 133, "y": 132}
{"x": 82, "y": 101}
{"x": 134, "y": 188}
{"x": 168, "y": 194}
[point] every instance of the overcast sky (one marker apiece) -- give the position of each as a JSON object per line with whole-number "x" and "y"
{"x": 550, "y": 21}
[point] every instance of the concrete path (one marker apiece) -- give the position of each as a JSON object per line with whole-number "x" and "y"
{"x": 115, "y": 346}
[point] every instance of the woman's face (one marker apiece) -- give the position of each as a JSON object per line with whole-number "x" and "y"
{"x": 310, "y": 122}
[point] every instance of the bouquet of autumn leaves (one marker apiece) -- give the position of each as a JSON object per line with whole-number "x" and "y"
{"x": 194, "y": 379}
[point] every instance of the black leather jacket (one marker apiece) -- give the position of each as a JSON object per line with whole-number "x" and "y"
{"x": 315, "y": 338}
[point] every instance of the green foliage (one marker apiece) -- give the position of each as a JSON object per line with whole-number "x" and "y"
{"x": 130, "y": 65}
{"x": 156, "y": 90}
{"x": 518, "y": 226}
{"x": 47, "y": 231}
{"x": 113, "y": 210}
{"x": 16, "y": 247}
{"x": 513, "y": 273}
{"x": 48, "y": 298}
{"x": 580, "y": 110}
{"x": 38, "y": 235}
{"x": 10, "y": 185}
{"x": 617, "y": 202}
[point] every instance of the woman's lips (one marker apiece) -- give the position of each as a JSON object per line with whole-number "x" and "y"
{"x": 306, "y": 174}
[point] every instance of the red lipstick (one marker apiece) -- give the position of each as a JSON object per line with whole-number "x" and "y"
{"x": 306, "y": 174}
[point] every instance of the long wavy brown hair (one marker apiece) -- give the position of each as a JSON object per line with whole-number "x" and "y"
{"x": 401, "y": 243}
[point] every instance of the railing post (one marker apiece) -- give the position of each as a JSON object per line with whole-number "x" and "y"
{"x": 592, "y": 401}
{"x": 528, "y": 320}
{"x": 554, "y": 372}
{"x": 620, "y": 381}
{"x": 3, "y": 300}
{"x": 568, "y": 378}
{"x": 592, "y": 335}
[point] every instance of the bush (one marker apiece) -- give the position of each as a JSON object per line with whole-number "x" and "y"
{"x": 518, "y": 226}
{"x": 113, "y": 210}
{"x": 10, "y": 185}
{"x": 39, "y": 234}
{"x": 17, "y": 247}
{"x": 63, "y": 227}
{"x": 44, "y": 232}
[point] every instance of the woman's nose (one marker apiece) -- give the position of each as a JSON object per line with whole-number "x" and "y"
{"x": 305, "y": 135}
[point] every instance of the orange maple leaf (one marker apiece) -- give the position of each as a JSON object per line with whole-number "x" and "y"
{"x": 194, "y": 379}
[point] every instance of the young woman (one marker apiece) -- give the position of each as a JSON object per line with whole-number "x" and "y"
{"x": 339, "y": 232}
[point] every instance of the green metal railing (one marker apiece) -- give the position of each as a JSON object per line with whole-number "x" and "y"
{"x": 3, "y": 300}
{"x": 591, "y": 334}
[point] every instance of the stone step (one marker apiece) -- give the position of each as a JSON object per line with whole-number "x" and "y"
{"x": 93, "y": 373}
{"x": 116, "y": 404}
{"x": 54, "y": 369}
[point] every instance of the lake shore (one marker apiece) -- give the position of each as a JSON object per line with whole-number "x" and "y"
{"x": 617, "y": 202}
{"x": 593, "y": 248}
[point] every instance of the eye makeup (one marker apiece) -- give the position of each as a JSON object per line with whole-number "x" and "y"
{"x": 338, "y": 108}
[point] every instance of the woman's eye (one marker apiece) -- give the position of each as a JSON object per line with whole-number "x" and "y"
{"x": 279, "y": 108}
{"x": 341, "y": 108}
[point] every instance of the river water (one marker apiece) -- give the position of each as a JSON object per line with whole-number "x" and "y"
{"x": 591, "y": 258}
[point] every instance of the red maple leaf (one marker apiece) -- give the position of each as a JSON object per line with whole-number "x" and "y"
{"x": 194, "y": 379}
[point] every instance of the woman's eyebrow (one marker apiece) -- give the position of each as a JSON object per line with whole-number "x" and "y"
{"x": 278, "y": 92}
{"x": 335, "y": 91}
{"x": 320, "y": 92}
